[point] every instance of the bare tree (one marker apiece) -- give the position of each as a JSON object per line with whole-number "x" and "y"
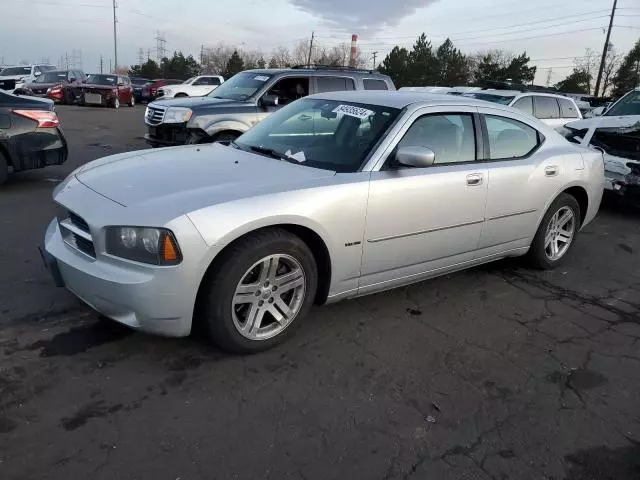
{"x": 589, "y": 64}
{"x": 611, "y": 65}
{"x": 300, "y": 53}
{"x": 214, "y": 60}
{"x": 281, "y": 58}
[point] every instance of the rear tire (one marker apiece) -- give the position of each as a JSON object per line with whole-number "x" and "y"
{"x": 4, "y": 168}
{"x": 281, "y": 269}
{"x": 556, "y": 234}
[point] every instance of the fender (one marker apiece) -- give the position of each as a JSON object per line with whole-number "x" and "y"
{"x": 224, "y": 125}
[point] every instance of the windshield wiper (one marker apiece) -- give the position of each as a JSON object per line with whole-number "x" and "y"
{"x": 273, "y": 154}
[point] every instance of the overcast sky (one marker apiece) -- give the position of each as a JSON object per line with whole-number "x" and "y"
{"x": 552, "y": 32}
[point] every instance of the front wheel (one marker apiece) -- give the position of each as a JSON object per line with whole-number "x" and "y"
{"x": 255, "y": 296}
{"x": 556, "y": 234}
{"x": 115, "y": 103}
{"x": 132, "y": 102}
{"x": 4, "y": 168}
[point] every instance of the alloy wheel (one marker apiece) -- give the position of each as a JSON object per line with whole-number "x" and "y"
{"x": 268, "y": 297}
{"x": 560, "y": 233}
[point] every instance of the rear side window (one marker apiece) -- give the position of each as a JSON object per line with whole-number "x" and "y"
{"x": 546, "y": 107}
{"x": 371, "y": 84}
{"x": 510, "y": 139}
{"x": 524, "y": 104}
{"x": 567, "y": 109}
{"x": 334, "y": 84}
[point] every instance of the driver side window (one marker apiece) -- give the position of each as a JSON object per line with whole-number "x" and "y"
{"x": 290, "y": 89}
{"x": 450, "y": 136}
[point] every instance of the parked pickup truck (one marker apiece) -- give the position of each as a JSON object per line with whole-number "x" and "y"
{"x": 194, "y": 87}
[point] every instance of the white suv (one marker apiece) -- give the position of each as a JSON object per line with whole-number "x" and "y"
{"x": 554, "y": 110}
{"x": 17, "y": 76}
{"x": 194, "y": 87}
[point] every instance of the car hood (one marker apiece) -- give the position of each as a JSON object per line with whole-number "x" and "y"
{"x": 623, "y": 121}
{"x": 40, "y": 86}
{"x": 198, "y": 102}
{"x": 13, "y": 77}
{"x": 98, "y": 87}
{"x": 178, "y": 180}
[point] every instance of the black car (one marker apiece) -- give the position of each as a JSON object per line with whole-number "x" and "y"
{"x": 137, "y": 83}
{"x": 30, "y": 134}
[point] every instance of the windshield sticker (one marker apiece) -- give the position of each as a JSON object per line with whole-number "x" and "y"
{"x": 352, "y": 111}
{"x": 261, "y": 78}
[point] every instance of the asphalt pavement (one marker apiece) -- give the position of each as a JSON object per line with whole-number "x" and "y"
{"x": 498, "y": 372}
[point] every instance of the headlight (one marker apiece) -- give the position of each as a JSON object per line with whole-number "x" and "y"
{"x": 156, "y": 246}
{"x": 167, "y": 91}
{"x": 177, "y": 115}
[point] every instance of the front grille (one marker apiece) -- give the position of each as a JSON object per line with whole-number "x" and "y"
{"x": 160, "y": 94}
{"x": 39, "y": 91}
{"x": 77, "y": 234}
{"x": 154, "y": 115}
{"x": 79, "y": 222}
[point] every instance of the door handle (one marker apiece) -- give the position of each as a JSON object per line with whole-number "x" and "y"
{"x": 474, "y": 179}
{"x": 551, "y": 171}
{"x": 304, "y": 117}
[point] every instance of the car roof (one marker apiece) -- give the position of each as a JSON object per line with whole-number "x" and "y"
{"x": 400, "y": 99}
{"x": 337, "y": 71}
{"x": 518, "y": 93}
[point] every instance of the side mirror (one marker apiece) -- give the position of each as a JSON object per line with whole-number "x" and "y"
{"x": 270, "y": 100}
{"x": 72, "y": 79}
{"x": 418, "y": 157}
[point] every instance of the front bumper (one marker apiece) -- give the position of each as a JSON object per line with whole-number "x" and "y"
{"x": 138, "y": 299}
{"x": 167, "y": 135}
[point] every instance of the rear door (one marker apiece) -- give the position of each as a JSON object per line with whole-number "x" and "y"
{"x": 523, "y": 176}
{"x": 325, "y": 83}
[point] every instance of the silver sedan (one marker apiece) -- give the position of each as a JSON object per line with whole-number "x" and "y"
{"x": 334, "y": 196}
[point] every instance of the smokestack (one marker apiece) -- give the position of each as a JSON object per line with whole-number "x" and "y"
{"x": 354, "y": 51}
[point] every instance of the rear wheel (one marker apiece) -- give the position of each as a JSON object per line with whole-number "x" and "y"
{"x": 556, "y": 234}
{"x": 258, "y": 292}
{"x": 4, "y": 168}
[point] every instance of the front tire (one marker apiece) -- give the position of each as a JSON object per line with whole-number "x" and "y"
{"x": 254, "y": 297}
{"x": 180, "y": 95}
{"x": 556, "y": 234}
{"x": 132, "y": 102}
{"x": 115, "y": 103}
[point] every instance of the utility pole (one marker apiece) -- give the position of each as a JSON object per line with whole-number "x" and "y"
{"x": 549, "y": 73}
{"x": 110, "y": 67}
{"x": 140, "y": 56}
{"x": 375, "y": 54}
{"x": 637, "y": 73}
{"x": 605, "y": 48}
{"x": 115, "y": 35}
{"x": 310, "y": 48}
{"x": 100, "y": 64}
{"x": 202, "y": 55}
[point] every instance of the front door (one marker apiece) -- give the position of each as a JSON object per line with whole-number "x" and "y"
{"x": 287, "y": 89}
{"x": 422, "y": 221}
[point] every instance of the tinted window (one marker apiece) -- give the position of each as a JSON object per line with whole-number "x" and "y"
{"x": 288, "y": 89}
{"x": 509, "y": 138}
{"x": 451, "y": 137}
{"x": 546, "y": 107}
{"x": 525, "y": 104}
{"x": 567, "y": 108}
{"x": 371, "y": 84}
{"x": 627, "y": 105}
{"x": 200, "y": 81}
{"x": 490, "y": 97}
{"x": 16, "y": 71}
{"x": 334, "y": 84}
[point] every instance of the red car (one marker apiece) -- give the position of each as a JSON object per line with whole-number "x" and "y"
{"x": 61, "y": 86}
{"x": 108, "y": 91}
{"x": 150, "y": 90}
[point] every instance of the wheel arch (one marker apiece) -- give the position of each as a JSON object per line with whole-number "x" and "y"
{"x": 577, "y": 191}
{"x": 308, "y": 235}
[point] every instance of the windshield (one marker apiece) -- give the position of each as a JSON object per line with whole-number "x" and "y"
{"x": 189, "y": 81}
{"x": 318, "y": 133}
{"x": 51, "y": 77}
{"x": 139, "y": 81}
{"x": 501, "y": 99}
{"x": 102, "y": 79}
{"x": 627, "y": 105}
{"x": 16, "y": 71}
{"x": 241, "y": 86}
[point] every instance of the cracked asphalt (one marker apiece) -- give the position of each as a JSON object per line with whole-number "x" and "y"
{"x": 494, "y": 373}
